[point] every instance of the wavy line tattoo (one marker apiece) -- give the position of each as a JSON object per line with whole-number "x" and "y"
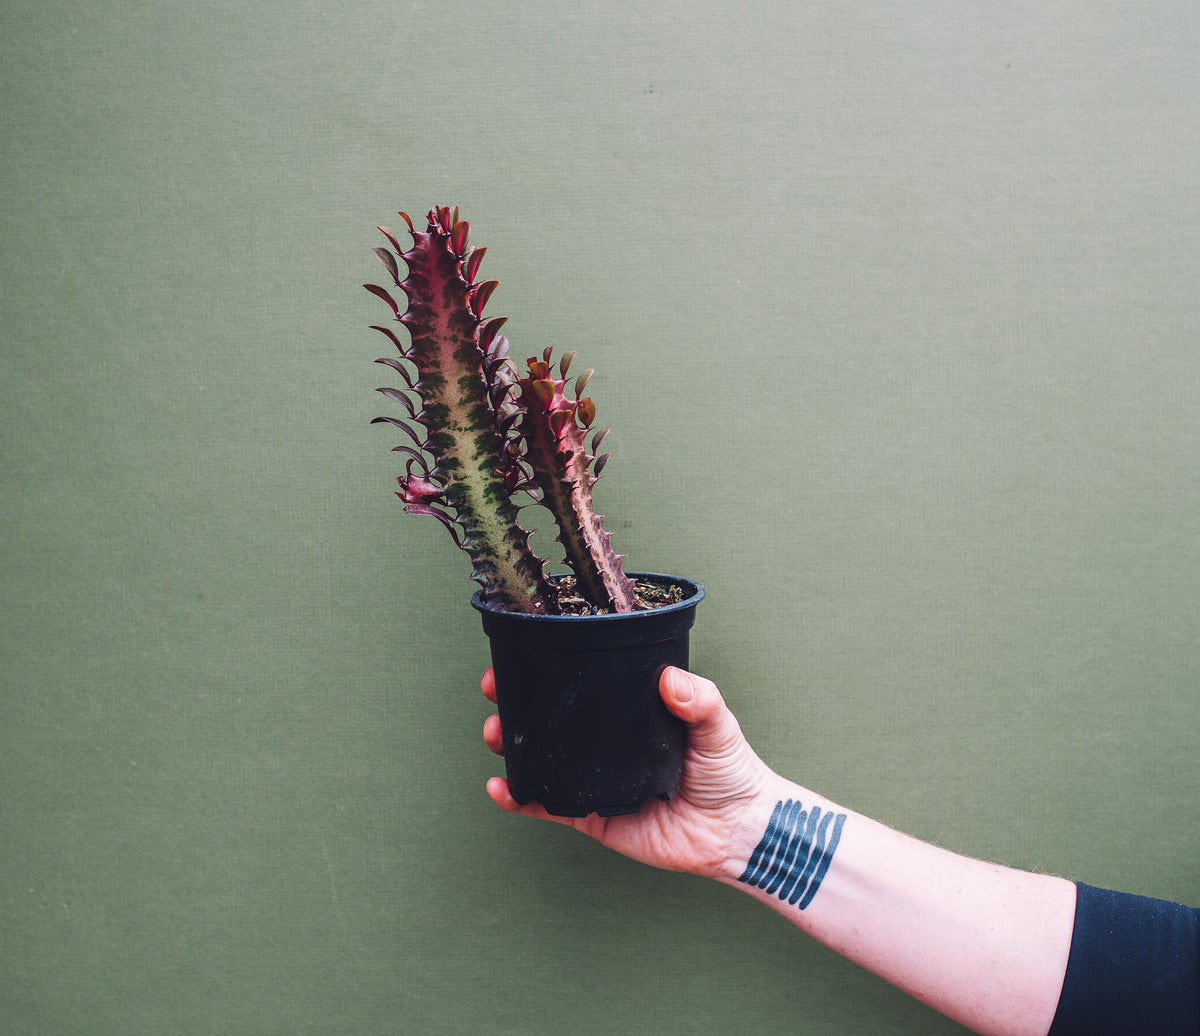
{"x": 794, "y": 853}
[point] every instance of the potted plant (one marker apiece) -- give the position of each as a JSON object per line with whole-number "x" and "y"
{"x": 576, "y": 656}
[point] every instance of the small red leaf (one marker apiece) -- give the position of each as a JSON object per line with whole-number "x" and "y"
{"x": 396, "y": 396}
{"x": 413, "y": 455}
{"x": 471, "y": 263}
{"x": 487, "y": 332}
{"x": 479, "y": 296}
{"x": 499, "y": 352}
{"x": 389, "y": 262}
{"x": 439, "y": 514}
{"x": 375, "y": 289}
{"x": 586, "y": 411}
{"x": 544, "y": 390}
{"x": 460, "y": 233}
{"x": 559, "y": 420}
{"x": 507, "y": 421}
{"x": 399, "y": 367}
{"x": 401, "y": 425}
{"x": 392, "y": 237}
{"x": 498, "y": 393}
{"x": 392, "y": 335}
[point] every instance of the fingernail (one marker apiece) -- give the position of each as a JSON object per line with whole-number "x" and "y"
{"x": 681, "y": 685}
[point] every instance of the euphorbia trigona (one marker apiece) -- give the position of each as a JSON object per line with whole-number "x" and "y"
{"x": 484, "y": 432}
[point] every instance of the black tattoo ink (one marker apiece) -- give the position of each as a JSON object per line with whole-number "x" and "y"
{"x": 794, "y": 853}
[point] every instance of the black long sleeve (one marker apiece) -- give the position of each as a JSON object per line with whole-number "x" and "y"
{"x": 1134, "y": 967}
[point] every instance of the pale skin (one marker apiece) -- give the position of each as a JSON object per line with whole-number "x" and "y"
{"x": 983, "y": 944}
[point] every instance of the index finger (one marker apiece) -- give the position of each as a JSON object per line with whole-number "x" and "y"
{"x": 488, "y": 685}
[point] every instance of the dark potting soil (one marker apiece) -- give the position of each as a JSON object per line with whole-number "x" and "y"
{"x": 647, "y": 595}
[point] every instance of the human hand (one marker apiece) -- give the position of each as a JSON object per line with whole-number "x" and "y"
{"x": 696, "y": 830}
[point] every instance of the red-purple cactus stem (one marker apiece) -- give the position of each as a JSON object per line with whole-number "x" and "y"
{"x": 554, "y": 427}
{"x": 456, "y": 365}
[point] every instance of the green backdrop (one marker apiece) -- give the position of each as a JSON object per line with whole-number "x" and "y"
{"x": 894, "y": 310}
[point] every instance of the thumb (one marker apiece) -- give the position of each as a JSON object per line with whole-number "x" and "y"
{"x": 721, "y": 762}
{"x": 693, "y": 699}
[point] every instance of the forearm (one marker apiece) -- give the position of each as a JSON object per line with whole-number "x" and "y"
{"x": 983, "y": 944}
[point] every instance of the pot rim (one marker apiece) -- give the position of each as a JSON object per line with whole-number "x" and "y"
{"x": 696, "y": 595}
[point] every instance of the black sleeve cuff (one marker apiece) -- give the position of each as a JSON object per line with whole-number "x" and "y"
{"x": 1134, "y": 967}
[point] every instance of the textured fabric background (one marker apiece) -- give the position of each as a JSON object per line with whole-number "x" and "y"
{"x": 895, "y": 317}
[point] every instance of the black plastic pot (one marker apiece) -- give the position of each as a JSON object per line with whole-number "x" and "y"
{"x": 585, "y": 730}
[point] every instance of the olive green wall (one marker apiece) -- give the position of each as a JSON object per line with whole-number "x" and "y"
{"x": 895, "y": 314}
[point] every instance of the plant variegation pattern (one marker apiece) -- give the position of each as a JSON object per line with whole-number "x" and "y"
{"x": 482, "y": 432}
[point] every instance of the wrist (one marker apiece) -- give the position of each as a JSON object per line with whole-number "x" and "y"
{"x": 786, "y": 843}
{"x": 753, "y": 815}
